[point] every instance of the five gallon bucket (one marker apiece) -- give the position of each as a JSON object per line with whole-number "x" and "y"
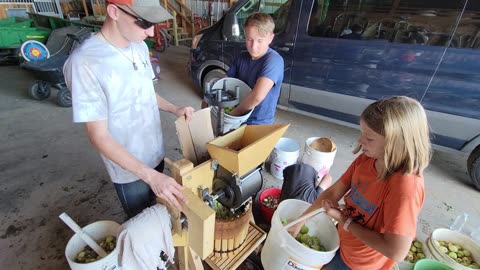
{"x": 285, "y": 153}
{"x": 282, "y": 251}
{"x": 97, "y": 231}
{"x": 320, "y": 158}
{"x": 230, "y": 122}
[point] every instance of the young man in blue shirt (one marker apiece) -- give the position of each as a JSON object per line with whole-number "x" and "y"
{"x": 261, "y": 68}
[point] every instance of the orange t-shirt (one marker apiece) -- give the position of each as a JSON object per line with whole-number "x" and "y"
{"x": 383, "y": 206}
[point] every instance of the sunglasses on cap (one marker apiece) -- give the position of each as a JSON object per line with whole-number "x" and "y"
{"x": 140, "y": 22}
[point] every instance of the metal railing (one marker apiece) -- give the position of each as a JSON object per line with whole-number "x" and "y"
{"x": 45, "y": 7}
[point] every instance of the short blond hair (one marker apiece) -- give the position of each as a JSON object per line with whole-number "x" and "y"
{"x": 403, "y": 123}
{"x": 262, "y": 21}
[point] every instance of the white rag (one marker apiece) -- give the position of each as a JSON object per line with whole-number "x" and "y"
{"x": 144, "y": 237}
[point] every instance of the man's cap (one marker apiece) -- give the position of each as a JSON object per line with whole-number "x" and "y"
{"x": 150, "y": 10}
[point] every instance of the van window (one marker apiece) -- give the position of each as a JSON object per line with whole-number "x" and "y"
{"x": 409, "y": 22}
{"x": 278, "y": 9}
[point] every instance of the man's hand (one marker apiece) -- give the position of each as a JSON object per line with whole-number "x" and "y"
{"x": 185, "y": 111}
{"x": 167, "y": 189}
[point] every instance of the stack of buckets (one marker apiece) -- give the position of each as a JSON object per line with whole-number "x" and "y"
{"x": 319, "y": 153}
{"x": 283, "y": 251}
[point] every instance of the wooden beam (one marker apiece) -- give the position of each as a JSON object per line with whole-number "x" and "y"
{"x": 201, "y": 224}
{"x": 395, "y": 5}
{"x": 84, "y": 4}
{"x": 175, "y": 27}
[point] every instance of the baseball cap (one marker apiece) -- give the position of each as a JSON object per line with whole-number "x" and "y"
{"x": 150, "y": 10}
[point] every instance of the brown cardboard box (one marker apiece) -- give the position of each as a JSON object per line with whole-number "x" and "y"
{"x": 195, "y": 135}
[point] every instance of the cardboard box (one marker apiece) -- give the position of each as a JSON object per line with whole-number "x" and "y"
{"x": 195, "y": 135}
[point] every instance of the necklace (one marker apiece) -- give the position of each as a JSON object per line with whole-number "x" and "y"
{"x": 135, "y": 67}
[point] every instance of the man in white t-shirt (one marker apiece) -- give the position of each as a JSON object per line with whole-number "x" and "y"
{"x": 110, "y": 77}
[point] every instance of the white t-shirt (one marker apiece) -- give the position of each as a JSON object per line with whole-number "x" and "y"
{"x": 105, "y": 86}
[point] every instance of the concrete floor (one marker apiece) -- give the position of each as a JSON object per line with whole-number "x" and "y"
{"x": 47, "y": 167}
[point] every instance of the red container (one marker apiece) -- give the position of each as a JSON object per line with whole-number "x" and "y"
{"x": 266, "y": 211}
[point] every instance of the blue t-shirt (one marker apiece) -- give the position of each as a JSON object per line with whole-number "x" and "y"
{"x": 271, "y": 66}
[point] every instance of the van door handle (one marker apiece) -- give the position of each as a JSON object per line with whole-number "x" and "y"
{"x": 283, "y": 49}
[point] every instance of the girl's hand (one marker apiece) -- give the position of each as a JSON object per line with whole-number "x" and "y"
{"x": 333, "y": 210}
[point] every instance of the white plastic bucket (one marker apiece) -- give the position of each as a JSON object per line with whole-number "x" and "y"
{"x": 282, "y": 251}
{"x": 320, "y": 161}
{"x": 285, "y": 153}
{"x": 97, "y": 231}
{"x": 230, "y": 122}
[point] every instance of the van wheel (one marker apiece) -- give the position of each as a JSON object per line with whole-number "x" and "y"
{"x": 473, "y": 165}
{"x": 211, "y": 77}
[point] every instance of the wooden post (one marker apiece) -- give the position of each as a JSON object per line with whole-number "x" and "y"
{"x": 182, "y": 10}
{"x": 165, "y": 4}
{"x": 175, "y": 28}
{"x": 85, "y": 7}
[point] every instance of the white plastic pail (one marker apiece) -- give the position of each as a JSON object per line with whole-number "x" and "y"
{"x": 284, "y": 154}
{"x": 320, "y": 161}
{"x": 97, "y": 231}
{"x": 230, "y": 122}
{"x": 282, "y": 251}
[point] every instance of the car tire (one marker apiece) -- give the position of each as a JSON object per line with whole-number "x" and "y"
{"x": 39, "y": 91}
{"x": 473, "y": 166}
{"x": 211, "y": 77}
{"x": 64, "y": 97}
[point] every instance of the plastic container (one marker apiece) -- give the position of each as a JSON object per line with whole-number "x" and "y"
{"x": 285, "y": 153}
{"x": 230, "y": 122}
{"x": 456, "y": 238}
{"x": 320, "y": 161}
{"x": 429, "y": 264}
{"x": 97, "y": 231}
{"x": 469, "y": 225}
{"x": 282, "y": 251}
{"x": 266, "y": 211}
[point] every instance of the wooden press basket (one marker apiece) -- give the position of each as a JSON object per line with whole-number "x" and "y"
{"x": 231, "y": 234}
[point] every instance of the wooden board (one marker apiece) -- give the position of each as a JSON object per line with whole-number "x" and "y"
{"x": 201, "y": 224}
{"x": 255, "y": 237}
{"x": 194, "y": 136}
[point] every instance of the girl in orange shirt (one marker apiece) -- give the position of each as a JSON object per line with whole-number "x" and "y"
{"x": 383, "y": 189}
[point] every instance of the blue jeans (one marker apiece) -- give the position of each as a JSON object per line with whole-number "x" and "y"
{"x": 336, "y": 263}
{"x": 137, "y": 195}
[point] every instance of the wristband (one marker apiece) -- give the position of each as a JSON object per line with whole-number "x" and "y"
{"x": 347, "y": 223}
